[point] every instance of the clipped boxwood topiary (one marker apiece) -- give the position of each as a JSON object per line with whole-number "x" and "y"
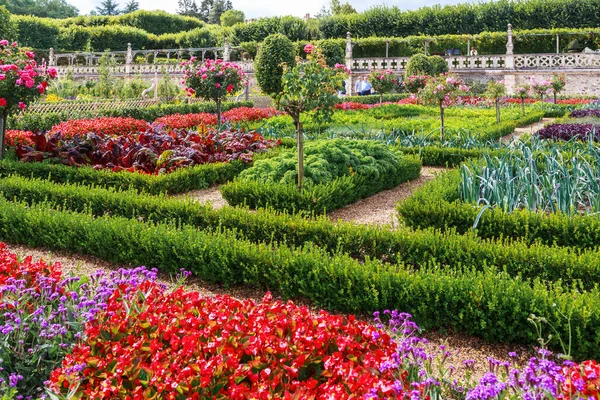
{"x": 438, "y": 64}
{"x": 419, "y": 64}
{"x": 274, "y": 51}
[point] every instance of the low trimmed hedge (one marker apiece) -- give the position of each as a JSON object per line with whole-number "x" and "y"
{"x": 41, "y": 122}
{"x": 488, "y": 304}
{"x": 437, "y": 205}
{"x": 374, "y": 98}
{"x": 385, "y": 173}
{"x": 448, "y": 157}
{"x": 361, "y": 242}
{"x": 179, "y": 181}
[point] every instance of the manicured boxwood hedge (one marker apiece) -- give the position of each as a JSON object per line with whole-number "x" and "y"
{"x": 416, "y": 248}
{"x": 437, "y": 205}
{"x": 487, "y": 303}
{"x": 179, "y": 181}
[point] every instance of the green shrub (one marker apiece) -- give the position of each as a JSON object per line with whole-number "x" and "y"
{"x": 116, "y": 38}
{"x": 74, "y": 38}
{"x": 38, "y": 33}
{"x": 199, "y": 37}
{"x": 337, "y": 173}
{"x": 374, "y": 98}
{"x": 157, "y": 22}
{"x": 273, "y": 51}
{"x": 419, "y": 64}
{"x": 8, "y": 27}
{"x": 438, "y": 65}
{"x": 489, "y": 304}
{"x": 333, "y": 53}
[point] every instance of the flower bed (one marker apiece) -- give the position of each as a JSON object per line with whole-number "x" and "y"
{"x": 105, "y": 126}
{"x": 592, "y": 112}
{"x": 558, "y": 101}
{"x": 182, "y": 344}
{"x": 152, "y": 152}
{"x": 235, "y": 115}
{"x": 15, "y": 138}
{"x": 570, "y": 131}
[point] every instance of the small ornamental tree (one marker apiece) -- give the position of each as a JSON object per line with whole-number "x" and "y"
{"x": 558, "y": 84}
{"x": 213, "y": 80}
{"x": 310, "y": 87}
{"x": 541, "y": 88}
{"x": 495, "y": 91}
{"x": 414, "y": 84}
{"x": 440, "y": 91}
{"x": 383, "y": 82}
{"x": 21, "y": 82}
{"x": 522, "y": 91}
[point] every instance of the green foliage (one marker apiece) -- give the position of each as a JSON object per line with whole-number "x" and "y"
{"x": 199, "y": 37}
{"x": 419, "y": 64}
{"x": 39, "y": 33}
{"x": 337, "y": 172}
{"x": 232, "y": 17}
{"x": 108, "y": 8}
{"x": 8, "y": 28}
{"x": 487, "y": 303}
{"x": 437, "y": 205}
{"x": 333, "y": 53}
{"x": 117, "y": 37}
{"x": 383, "y": 81}
{"x": 74, "y": 38}
{"x": 275, "y": 51}
{"x": 438, "y": 65}
{"x": 294, "y": 28}
{"x": 40, "y": 8}
{"x": 158, "y": 22}
{"x": 179, "y": 181}
{"x": 373, "y": 98}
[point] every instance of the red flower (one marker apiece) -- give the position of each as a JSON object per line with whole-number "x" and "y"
{"x": 2, "y": 102}
{"x": 229, "y": 88}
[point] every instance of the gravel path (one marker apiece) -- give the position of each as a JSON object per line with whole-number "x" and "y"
{"x": 533, "y": 128}
{"x": 461, "y": 347}
{"x": 211, "y": 195}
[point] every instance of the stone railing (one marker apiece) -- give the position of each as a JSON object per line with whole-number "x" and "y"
{"x": 557, "y": 61}
{"x": 454, "y": 63}
{"x": 137, "y": 69}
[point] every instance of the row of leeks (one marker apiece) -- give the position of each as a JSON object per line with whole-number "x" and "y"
{"x": 540, "y": 176}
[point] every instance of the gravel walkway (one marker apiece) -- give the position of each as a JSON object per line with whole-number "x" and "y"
{"x": 533, "y": 128}
{"x": 460, "y": 346}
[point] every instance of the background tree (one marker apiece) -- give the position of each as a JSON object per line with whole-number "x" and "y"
{"x": 309, "y": 87}
{"x": 232, "y": 17}
{"x": 106, "y": 83}
{"x": 41, "y": 8}
{"x": 217, "y": 9}
{"x": 522, "y": 91}
{"x": 440, "y": 91}
{"x": 204, "y": 9}
{"x": 108, "y": 7}
{"x": 8, "y": 29}
{"x": 495, "y": 91}
{"x": 274, "y": 51}
{"x": 188, "y": 8}
{"x": 341, "y": 9}
{"x": 419, "y": 64}
{"x": 131, "y": 6}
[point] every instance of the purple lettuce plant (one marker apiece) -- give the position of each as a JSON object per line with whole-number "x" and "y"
{"x": 570, "y": 131}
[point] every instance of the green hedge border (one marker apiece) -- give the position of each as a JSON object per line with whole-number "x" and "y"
{"x": 488, "y": 304}
{"x": 437, "y": 205}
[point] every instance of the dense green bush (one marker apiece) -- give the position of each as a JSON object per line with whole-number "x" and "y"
{"x": 44, "y": 122}
{"x": 38, "y": 33}
{"x": 445, "y": 156}
{"x": 438, "y": 205}
{"x": 8, "y": 27}
{"x": 199, "y": 37}
{"x": 273, "y": 52}
{"x": 157, "y": 22}
{"x": 438, "y": 65}
{"x": 374, "y": 98}
{"x": 336, "y": 173}
{"x": 419, "y": 64}
{"x": 116, "y": 38}
{"x": 74, "y": 38}
{"x": 333, "y": 53}
{"x": 489, "y": 304}
{"x": 180, "y": 181}
{"x": 292, "y": 27}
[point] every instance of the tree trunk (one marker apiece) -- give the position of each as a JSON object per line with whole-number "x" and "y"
{"x": 2, "y": 135}
{"x": 300, "y": 145}
{"x": 497, "y": 110}
{"x": 219, "y": 115}
{"x": 442, "y": 119}
{"x": 554, "y": 97}
{"x": 523, "y": 105}
{"x": 380, "y": 98}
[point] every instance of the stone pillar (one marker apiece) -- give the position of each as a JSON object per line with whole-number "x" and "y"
{"x": 557, "y": 44}
{"x": 128, "y": 59}
{"x": 51, "y": 58}
{"x": 387, "y": 48}
{"x": 156, "y": 86}
{"x": 227, "y": 51}
{"x": 348, "y": 59}
{"x": 510, "y": 79}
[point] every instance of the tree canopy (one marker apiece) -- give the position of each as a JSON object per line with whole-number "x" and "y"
{"x": 41, "y": 8}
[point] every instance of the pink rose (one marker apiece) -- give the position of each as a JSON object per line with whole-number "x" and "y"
{"x": 22, "y": 105}
{"x": 29, "y": 54}
{"x": 2, "y": 77}
{"x": 14, "y": 44}
{"x": 308, "y": 49}
{"x": 204, "y": 76}
{"x": 3, "y": 42}
{"x": 218, "y": 85}
{"x": 52, "y": 72}
{"x": 2, "y": 102}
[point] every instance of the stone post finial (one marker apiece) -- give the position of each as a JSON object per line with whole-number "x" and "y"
{"x": 227, "y": 51}
{"x": 51, "y": 60}
{"x": 509, "y": 42}
{"x": 348, "y": 45}
{"x": 128, "y": 59}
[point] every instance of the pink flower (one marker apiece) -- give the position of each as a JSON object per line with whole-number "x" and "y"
{"x": 229, "y": 88}
{"x": 19, "y": 82}
{"x": 29, "y": 83}
{"x": 218, "y": 85}
{"x": 309, "y": 48}
{"x": 3, "y": 42}
{"x": 29, "y": 54}
{"x": 52, "y": 72}
{"x": 2, "y": 102}
{"x": 14, "y": 44}
{"x": 22, "y": 105}
{"x": 204, "y": 76}
{"x": 40, "y": 89}
{"x": 2, "y": 77}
